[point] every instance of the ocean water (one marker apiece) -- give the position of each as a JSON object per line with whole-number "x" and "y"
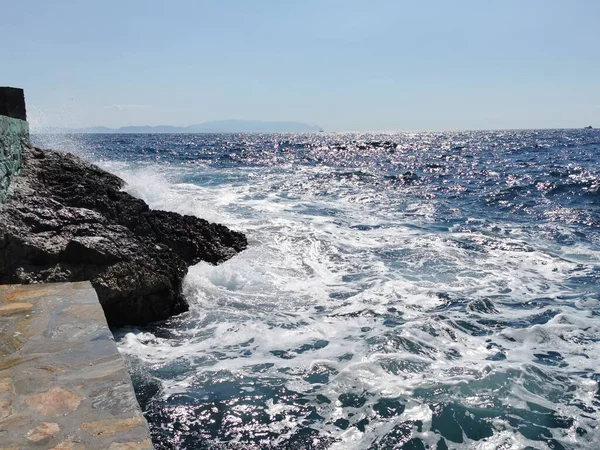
{"x": 415, "y": 291}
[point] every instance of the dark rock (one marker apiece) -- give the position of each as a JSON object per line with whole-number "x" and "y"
{"x": 63, "y": 177}
{"x": 409, "y": 177}
{"x": 68, "y": 220}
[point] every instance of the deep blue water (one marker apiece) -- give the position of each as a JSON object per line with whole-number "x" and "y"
{"x": 425, "y": 290}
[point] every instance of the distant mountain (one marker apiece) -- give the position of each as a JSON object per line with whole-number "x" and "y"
{"x": 217, "y": 126}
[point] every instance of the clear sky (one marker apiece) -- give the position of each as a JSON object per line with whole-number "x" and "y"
{"x": 346, "y": 65}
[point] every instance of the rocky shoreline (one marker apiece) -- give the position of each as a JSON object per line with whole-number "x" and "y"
{"x": 68, "y": 220}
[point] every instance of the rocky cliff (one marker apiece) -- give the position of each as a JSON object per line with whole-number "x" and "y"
{"x": 68, "y": 220}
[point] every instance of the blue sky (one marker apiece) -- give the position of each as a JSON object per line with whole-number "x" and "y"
{"x": 345, "y": 65}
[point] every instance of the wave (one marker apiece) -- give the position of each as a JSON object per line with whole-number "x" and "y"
{"x": 371, "y": 334}
{"x": 455, "y": 309}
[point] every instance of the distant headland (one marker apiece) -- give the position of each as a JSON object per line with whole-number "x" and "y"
{"x": 218, "y": 126}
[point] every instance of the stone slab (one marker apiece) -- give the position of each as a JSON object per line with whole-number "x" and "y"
{"x": 63, "y": 383}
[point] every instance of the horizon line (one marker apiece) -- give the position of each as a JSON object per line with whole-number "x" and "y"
{"x": 73, "y": 130}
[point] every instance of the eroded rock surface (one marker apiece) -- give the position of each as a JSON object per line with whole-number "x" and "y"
{"x": 68, "y": 220}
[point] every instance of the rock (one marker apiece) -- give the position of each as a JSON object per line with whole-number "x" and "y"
{"x": 68, "y": 220}
{"x": 43, "y": 432}
{"x": 109, "y": 427}
{"x": 72, "y": 182}
{"x": 55, "y": 402}
{"x": 409, "y": 177}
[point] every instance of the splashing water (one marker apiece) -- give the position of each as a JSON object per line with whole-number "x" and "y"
{"x": 429, "y": 290}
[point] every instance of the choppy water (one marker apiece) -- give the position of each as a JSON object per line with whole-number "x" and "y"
{"x": 430, "y": 290}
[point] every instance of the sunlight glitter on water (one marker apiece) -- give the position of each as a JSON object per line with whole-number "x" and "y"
{"x": 408, "y": 297}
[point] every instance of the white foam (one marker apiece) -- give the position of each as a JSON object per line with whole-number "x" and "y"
{"x": 310, "y": 276}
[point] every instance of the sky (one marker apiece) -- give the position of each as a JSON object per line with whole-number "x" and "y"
{"x": 345, "y": 65}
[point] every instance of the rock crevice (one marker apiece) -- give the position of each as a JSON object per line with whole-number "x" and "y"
{"x": 68, "y": 220}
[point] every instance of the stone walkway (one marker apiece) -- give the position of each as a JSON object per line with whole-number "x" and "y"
{"x": 63, "y": 383}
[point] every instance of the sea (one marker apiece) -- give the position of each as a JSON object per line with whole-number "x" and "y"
{"x": 399, "y": 291}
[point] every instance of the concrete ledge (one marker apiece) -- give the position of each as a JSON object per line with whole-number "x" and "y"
{"x": 13, "y": 132}
{"x": 63, "y": 383}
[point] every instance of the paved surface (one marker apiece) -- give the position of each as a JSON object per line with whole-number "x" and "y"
{"x": 63, "y": 383}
